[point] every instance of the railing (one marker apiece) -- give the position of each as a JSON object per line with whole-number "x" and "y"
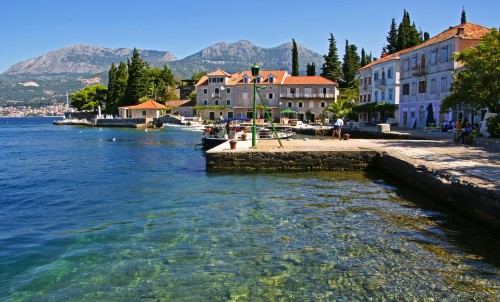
{"x": 215, "y": 95}
{"x": 418, "y": 70}
{"x": 380, "y": 82}
{"x": 308, "y": 95}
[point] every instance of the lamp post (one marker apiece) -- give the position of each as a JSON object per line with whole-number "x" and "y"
{"x": 280, "y": 103}
{"x": 255, "y": 73}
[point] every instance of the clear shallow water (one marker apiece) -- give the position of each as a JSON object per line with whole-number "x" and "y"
{"x": 91, "y": 214}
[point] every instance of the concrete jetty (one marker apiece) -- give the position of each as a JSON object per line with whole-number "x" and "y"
{"x": 465, "y": 178}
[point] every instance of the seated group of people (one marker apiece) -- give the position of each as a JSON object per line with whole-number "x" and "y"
{"x": 469, "y": 133}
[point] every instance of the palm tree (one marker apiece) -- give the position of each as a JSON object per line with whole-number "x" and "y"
{"x": 338, "y": 108}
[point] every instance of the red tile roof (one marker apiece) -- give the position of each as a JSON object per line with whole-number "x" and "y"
{"x": 146, "y": 105}
{"x": 219, "y": 72}
{"x": 308, "y": 80}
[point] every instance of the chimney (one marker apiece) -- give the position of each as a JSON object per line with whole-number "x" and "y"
{"x": 460, "y": 31}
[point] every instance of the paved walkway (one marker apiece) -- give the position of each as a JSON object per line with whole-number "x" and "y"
{"x": 479, "y": 165}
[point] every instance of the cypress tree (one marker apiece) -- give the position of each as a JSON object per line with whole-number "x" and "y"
{"x": 392, "y": 38}
{"x": 295, "y": 59}
{"x": 311, "y": 69}
{"x": 463, "y": 19}
{"x": 332, "y": 67}
{"x": 137, "y": 80}
{"x": 121, "y": 83}
{"x": 363, "y": 57}
{"x": 111, "y": 94}
{"x": 351, "y": 64}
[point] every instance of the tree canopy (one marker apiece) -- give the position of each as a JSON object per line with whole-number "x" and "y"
{"x": 404, "y": 36}
{"x": 332, "y": 67}
{"x": 89, "y": 97}
{"x": 478, "y": 85}
{"x": 311, "y": 69}
{"x": 350, "y": 65}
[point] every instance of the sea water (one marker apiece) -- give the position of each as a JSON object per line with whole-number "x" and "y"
{"x": 109, "y": 214}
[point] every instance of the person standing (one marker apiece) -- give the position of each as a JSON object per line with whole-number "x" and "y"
{"x": 337, "y": 127}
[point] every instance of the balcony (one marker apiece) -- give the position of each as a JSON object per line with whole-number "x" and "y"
{"x": 215, "y": 96}
{"x": 381, "y": 83}
{"x": 307, "y": 96}
{"x": 418, "y": 71}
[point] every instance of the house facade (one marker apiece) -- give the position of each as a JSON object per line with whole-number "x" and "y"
{"x": 379, "y": 82}
{"x": 427, "y": 74}
{"x": 220, "y": 94}
{"x": 148, "y": 110}
{"x": 417, "y": 78}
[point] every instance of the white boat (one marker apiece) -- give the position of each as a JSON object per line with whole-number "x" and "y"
{"x": 187, "y": 126}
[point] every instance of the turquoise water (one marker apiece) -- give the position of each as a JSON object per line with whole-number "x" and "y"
{"x": 104, "y": 214}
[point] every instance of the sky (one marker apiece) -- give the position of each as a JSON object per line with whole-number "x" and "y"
{"x": 31, "y": 28}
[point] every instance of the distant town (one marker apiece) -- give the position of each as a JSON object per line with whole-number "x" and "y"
{"x": 22, "y": 111}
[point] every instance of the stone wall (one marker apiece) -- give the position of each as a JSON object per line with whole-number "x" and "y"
{"x": 291, "y": 161}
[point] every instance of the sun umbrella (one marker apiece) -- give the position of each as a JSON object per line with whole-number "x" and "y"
{"x": 288, "y": 111}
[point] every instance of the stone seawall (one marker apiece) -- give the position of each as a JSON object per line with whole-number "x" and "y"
{"x": 291, "y": 161}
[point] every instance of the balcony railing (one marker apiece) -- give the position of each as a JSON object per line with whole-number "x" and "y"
{"x": 380, "y": 83}
{"x": 307, "y": 95}
{"x": 419, "y": 70}
{"x": 215, "y": 95}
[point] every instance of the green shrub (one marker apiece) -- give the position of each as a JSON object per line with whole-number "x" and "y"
{"x": 493, "y": 124}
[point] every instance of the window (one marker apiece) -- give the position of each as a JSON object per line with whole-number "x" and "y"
{"x": 205, "y": 91}
{"x": 369, "y": 80}
{"x": 246, "y": 80}
{"x": 361, "y": 82}
{"x": 389, "y": 73}
{"x": 143, "y": 112}
{"x": 216, "y": 91}
{"x": 301, "y": 104}
{"x": 422, "y": 86}
{"x": 205, "y": 102}
{"x": 216, "y": 102}
{"x": 391, "y": 92}
{"x": 406, "y": 63}
{"x": 406, "y": 89}
{"x": 433, "y": 86}
{"x": 228, "y": 102}
{"x": 323, "y": 90}
{"x": 414, "y": 61}
{"x": 376, "y": 96}
{"x": 245, "y": 95}
{"x": 322, "y": 104}
{"x": 375, "y": 76}
{"x": 434, "y": 54}
{"x": 444, "y": 54}
{"x": 444, "y": 84}
{"x": 271, "y": 80}
{"x": 270, "y": 95}
{"x": 413, "y": 88}
{"x": 382, "y": 95}
{"x": 412, "y": 114}
{"x": 228, "y": 90}
{"x": 221, "y": 80}
{"x": 369, "y": 98}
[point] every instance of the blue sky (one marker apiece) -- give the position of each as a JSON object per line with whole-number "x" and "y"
{"x": 30, "y": 28}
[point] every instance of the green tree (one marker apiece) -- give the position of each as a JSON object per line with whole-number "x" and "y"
{"x": 311, "y": 69}
{"x": 89, "y": 98}
{"x": 463, "y": 18}
{"x": 332, "y": 67}
{"x": 392, "y": 38}
{"x": 137, "y": 84}
{"x": 350, "y": 65}
{"x": 121, "y": 85}
{"x": 111, "y": 99}
{"x": 295, "y": 59}
{"x": 198, "y": 75}
{"x": 478, "y": 85}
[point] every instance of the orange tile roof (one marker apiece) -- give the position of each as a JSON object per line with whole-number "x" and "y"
{"x": 202, "y": 81}
{"x": 470, "y": 32}
{"x": 308, "y": 80}
{"x": 219, "y": 72}
{"x": 146, "y": 105}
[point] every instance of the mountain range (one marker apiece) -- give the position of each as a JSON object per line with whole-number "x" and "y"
{"x": 49, "y": 76}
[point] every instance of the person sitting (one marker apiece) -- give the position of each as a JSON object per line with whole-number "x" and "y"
{"x": 474, "y": 134}
{"x": 466, "y": 131}
{"x": 337, "y": 127}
